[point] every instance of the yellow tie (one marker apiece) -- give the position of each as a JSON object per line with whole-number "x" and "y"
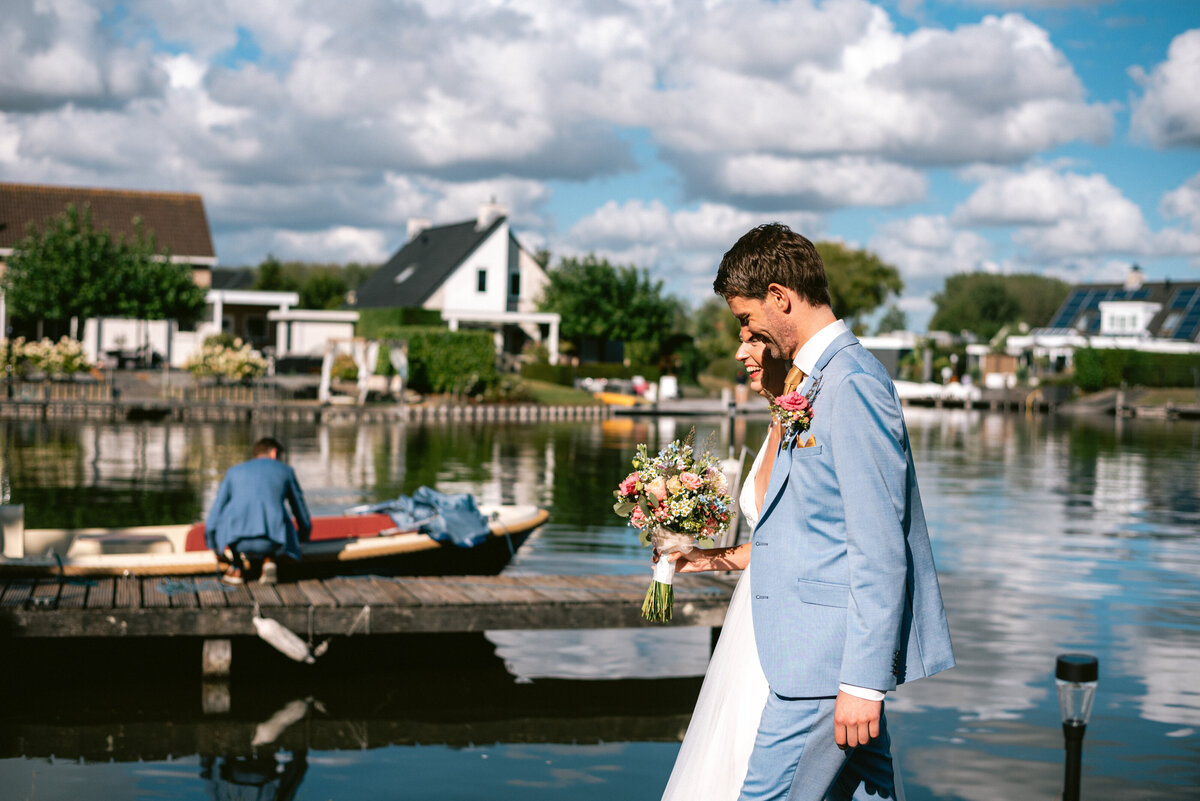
{"x": 794, "y": 378}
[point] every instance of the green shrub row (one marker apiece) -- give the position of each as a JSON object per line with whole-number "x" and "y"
{"x": 566, "y": 374}
{"x": 1097, "y": 368}
{"x": 372, "y": 321}
{"x": 441, "y": 360}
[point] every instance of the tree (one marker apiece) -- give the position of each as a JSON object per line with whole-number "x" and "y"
{"x": 73, "y": 270}
{"x": 984, "y": 303}
{"x": 606, "y": 303}
{"x": 714, "y": 329}
{"x": 859, "y": 281}
{"x": 320, "y": 286}
{"x": 894, "y": 319}
{"x": 270, "y": 277}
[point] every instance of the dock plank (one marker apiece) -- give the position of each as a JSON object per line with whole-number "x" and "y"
{"x": 73, "y": 594}
{"x": 153, "y": 596}
{"x": 316, "y": 593}
{"x": 128, "y": 593}
{"x": 346, "y": 591}
{"x": 291, "y": 595}
{"x": 16, "y": 593}
{"x": 100, "y": 595}
{"x": 264, "y": 594}
{"x": 211, "y": 594}
{"x": 393, "y": 592}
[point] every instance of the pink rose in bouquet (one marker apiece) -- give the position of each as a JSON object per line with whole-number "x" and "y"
{"x": 690, "y": 480}
{"x": 629, "y": 485}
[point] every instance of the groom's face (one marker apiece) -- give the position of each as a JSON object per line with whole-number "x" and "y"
{"x": 761, "y": 320}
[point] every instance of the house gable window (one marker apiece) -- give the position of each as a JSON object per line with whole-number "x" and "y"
{"x": 514, "y": 284}
{"x": 481, "y": 280}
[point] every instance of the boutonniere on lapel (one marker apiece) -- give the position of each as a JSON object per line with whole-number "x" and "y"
{"x": 795, "y": 412}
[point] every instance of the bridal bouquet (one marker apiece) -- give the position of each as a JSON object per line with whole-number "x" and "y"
{"x": 676, "y": 500}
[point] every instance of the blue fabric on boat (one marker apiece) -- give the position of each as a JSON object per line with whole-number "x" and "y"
{"x": 445, "y": 517}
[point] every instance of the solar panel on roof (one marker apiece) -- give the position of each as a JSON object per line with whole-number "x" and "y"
{"x": 1190, "y": 325}
{"x": 1184, "y": 297}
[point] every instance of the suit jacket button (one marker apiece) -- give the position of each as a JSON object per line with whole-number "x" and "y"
{"x": 761, "y": 597}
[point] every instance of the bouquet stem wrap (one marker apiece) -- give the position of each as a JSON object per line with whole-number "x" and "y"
{"x": 661, "y": 595}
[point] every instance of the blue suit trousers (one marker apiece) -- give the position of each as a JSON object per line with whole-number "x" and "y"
{"x": 795, "y": 757}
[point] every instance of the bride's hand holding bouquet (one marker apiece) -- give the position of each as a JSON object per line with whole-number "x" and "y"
{"x": 677, "y": 500}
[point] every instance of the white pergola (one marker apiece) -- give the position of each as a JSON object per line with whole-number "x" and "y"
{"x": 455, "y": 317}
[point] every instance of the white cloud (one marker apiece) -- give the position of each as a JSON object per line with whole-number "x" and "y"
{"x": 53, "y": 53}
{"x": 1168, "y": 113}
{"x": 1184, "y": 202}
{"x": 683, "y": 247}
{"x": 1064, "y": 214}
{"x": 818, "y": 183}
{"x": 930, "y": 246}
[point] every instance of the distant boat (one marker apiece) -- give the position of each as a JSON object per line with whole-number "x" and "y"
{"x": 342, "y": 544}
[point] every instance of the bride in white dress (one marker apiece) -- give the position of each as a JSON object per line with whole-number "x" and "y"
{"x": 716, "y": 749}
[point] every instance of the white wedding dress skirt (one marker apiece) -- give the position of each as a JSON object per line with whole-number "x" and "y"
{"x": 716, "y": 749}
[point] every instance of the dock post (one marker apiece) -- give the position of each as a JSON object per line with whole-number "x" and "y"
{"x": 215, "y": 661}
{"x": 216, "y": 658}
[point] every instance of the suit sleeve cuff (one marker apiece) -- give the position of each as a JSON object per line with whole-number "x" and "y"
{"x": 862, "y": 692}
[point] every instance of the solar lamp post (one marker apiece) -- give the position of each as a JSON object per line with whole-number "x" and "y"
{"x": 1075, "y": 677}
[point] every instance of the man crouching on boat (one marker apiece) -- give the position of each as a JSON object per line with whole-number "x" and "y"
{"x": 249, "y": 526}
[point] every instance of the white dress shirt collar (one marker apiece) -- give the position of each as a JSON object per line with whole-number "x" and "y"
{"x": 806, "y": 359}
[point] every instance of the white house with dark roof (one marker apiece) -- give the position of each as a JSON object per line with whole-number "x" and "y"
{"x": 475, "y": 273}
{"x": 1152, "y": 316}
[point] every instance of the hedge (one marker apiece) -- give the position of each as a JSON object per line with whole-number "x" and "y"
{"x": 372, "y": 321}
{"x": 566, "y": 374}
{"x": 1097, "y": 368}
{"x": 441, "y": 360}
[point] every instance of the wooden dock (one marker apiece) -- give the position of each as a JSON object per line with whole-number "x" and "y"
{"x": 205, "y": 608}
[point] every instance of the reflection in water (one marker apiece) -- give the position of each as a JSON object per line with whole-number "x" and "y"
{"x": 1051, "y": 535}
{"x": 270, "y": 777}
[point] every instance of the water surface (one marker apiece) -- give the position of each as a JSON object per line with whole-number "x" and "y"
{"x": 1051, "y": 535}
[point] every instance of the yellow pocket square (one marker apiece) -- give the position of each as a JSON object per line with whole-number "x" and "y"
{"x": 811, "y": 441}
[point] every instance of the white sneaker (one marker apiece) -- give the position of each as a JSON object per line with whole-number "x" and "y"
{"x": 270, "y": 573}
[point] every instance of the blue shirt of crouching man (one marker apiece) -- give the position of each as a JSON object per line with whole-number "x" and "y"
{"x": 249, "y": 516}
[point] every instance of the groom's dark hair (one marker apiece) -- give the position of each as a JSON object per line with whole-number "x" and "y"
{"x": 773, "y": 254}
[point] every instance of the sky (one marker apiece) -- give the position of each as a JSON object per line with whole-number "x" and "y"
{"x": 1060, "y": 137}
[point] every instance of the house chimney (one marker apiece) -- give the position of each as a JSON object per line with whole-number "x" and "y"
{"x": 488, "y": 213}
{"x": 1134, "y": 279}
{"x": 416, "y": 225}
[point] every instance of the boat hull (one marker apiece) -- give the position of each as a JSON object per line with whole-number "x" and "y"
{"x": 173, "y": 551}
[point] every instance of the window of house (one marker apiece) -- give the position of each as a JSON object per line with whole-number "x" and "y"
{"x": 1170, "y": 324}
{"x": 481, "y": 280}
{"x": 514, "y": 284}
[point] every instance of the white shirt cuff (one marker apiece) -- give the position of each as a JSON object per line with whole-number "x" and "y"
{"x": 862, "y": 692}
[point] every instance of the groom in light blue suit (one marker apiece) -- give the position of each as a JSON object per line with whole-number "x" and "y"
{"x": 846, "y": 602}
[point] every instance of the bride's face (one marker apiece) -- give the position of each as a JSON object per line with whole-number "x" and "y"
{"x": 764, "y": 372}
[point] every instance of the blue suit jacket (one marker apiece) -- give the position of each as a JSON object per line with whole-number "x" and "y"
{"x": 844, "y": 587}
{"x": 250, "y": 503}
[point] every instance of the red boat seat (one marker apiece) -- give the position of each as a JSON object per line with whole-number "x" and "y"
{"x": 342, "y": 527}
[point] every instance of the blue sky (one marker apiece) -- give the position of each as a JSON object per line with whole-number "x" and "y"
{"x": 1060, "y": 137}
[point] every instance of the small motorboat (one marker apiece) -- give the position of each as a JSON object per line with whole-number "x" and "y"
{"x": 351, "y": 543}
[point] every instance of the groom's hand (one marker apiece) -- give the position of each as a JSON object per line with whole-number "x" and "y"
{"x": 855, "y": 720}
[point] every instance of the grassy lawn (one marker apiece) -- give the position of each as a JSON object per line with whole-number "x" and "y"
{"x": 1179, "y": 396}
{"x": 550, "y": 394}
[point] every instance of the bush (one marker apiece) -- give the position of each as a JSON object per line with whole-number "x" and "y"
{"x": 1097, "y": 369}
{"x": 52, "y": 358}
{"x": 343, "y": 368}
{"x": 441, "y": 360}
{"x": 375, "y": 323}
{"x": 237, "y": 361}
{"x": 566, "y": 374}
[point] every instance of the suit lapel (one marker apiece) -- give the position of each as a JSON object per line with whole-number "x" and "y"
{"x": 783, "y": 457}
